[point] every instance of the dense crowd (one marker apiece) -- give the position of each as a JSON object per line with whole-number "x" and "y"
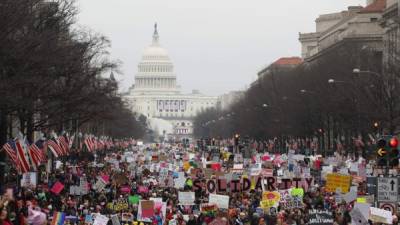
{"x": 143, "y": 185}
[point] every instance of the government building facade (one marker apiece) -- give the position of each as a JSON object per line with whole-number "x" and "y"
{"x": 156, "y": 95}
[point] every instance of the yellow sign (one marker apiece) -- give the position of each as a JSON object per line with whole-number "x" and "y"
{"x": 336, "y": 181}
{"x": 265, "y": 204}
{"x": 361, "y": 200}
{"x": 271, "y": 196}
{"x": 186, "y": 166}
{"x": 297, "y": 192}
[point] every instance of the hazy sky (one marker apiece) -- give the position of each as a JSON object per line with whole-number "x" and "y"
{"x": 216, "y": 45}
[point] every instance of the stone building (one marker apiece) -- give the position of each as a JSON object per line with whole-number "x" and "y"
{"x": 357, "y": 23}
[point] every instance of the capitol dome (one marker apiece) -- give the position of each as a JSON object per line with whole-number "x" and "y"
{"x": 155, "y": 70}
{"x": 155, "y": 52}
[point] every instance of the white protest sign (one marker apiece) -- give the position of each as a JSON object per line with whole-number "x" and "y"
{"x": 380, "y": 215}
{"x": 357, "y": 217}
{"x": 115, "y": 220}
{"x": 186, "y": 198}
{"x": 222, "y": 201}
{"x": 29, "y": 179}
{"x": 388, "y": 189}
{"x": 100, "y": 220}
{"x": 350, "y": 196}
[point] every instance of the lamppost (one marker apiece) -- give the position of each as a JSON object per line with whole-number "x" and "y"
{"x": 358, "y": 71}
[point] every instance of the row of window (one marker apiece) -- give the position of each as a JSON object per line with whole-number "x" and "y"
{"x": 149, "y": 68}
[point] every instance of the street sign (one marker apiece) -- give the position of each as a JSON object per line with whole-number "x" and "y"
{"x": 388, "y": 206}
{"x": 387, "y": 189}
{"x": 381, "y": 152}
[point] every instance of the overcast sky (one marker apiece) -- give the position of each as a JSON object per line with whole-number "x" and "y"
{"x": 216, "y": 45}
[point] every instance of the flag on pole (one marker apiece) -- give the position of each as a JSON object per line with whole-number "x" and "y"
{"x": 90, "y": 144}
{"x": 37, "y": 152}
{"x": 22, "y": 156}
{"x": 58, "y": 218}
{"x": 54, "y": 148}
{"x": 11, "y": 150}
{"x": 63, "y": 143}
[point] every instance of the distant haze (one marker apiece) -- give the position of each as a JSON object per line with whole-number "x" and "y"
{"x": 216, "y": 45}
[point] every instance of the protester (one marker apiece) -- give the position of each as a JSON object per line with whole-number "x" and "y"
{"x": 169, "y": 184}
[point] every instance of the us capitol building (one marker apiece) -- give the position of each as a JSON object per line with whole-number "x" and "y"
{"x": 156, "y": 95}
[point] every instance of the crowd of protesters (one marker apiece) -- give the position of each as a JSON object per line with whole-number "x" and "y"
{"x": 134, "y": 174}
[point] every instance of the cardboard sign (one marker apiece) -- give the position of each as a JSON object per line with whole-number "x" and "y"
{"x": 338, "y": 181}
{"x": 222, "y": 201}
{"x": 186, "y": 198}
{"x": 147, "y": 209}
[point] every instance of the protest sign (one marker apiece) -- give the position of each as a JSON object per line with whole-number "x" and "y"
{"x": 186, "y": 198}
{"x": 100, "y": 220}
{"x": 57, "y": 188}
{"x": 350, "y": 196}
{"x": 29, "y": 179}
{"x": 134, "y": 199}
{"x": 147, "y": 209}
{"x": 320, "y": 217}
{"x": 297, "y": 192}
{"x": 338, "y": 181}
{"x": 89, "y": 219}
{"x": 222, "y": 201}
{"x": 115, "y": 220}
{"x": 378, "y": 215}
{"x": 357, "y": 217}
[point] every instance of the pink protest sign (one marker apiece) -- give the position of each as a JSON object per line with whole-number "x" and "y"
{"x": 143, "y": 189}
{"x": 57, "y": 188}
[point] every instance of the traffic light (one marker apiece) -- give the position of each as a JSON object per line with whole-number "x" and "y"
{"x": 382, "y": 151}
{"x": 236, "y": 139}
{"x": 394, "y": 152}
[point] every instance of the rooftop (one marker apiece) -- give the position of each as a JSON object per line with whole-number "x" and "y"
{"x": 376, "y": 7}
{"x": 288, "y": 61}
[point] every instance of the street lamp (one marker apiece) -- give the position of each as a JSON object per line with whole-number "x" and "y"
{"x": 332, "y": 81}
{"x": 358, "y": 71}
{"x": 264, "y": 105}
{"x": 304, "y": 91}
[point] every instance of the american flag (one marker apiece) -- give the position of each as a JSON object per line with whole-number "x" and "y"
{"x": 64, "y": 144}
{"x": 54, "y": 148}
{"x": 90, "y": 144}
{"x": 22, "y": 156}
{"x": 11, "y": 151}
{"x": 37, "y": 152}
